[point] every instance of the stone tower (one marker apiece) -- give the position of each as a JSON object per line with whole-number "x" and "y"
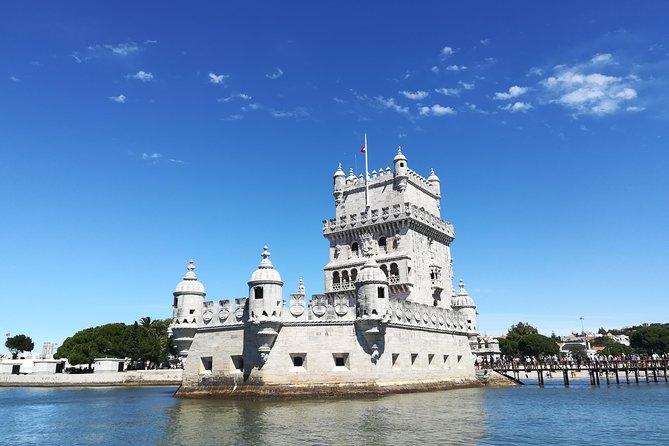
{"x": 410, "y": 241}
{"x": 187, "y": 308}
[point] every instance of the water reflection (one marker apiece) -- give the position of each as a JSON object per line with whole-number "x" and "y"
{"x": 453, "y": 417}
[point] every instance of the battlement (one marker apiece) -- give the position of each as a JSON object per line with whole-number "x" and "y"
{"x": 388, "y": 214}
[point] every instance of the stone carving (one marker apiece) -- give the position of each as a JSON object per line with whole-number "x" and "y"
{"x": 223, "y": 315}
{"x": 367, "y": 244}
{"x": 207, "y": 316}
{"x": 318, "y": 305}
{"x": 341, "y": 305}
{"x": 239, "y": 312}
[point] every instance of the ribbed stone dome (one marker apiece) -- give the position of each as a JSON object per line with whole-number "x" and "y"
{"x": 463, "y": 300}
{"x": 433, "y": 176}
{"x": 399, "y": 157}
{"x": 190, "y": 284}
{"x": 265, "y": 271}
{"x": 371, "y": 272}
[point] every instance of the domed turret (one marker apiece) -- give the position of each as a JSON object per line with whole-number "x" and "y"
{"x": 265, "y": 288}
{"x": 188, "y": 304}
{"x": 435, "y": 183}
{"x": 401, "y": 170}
{"x": 372, "y": 290}
{"x": 339, "y": 183}
{"x": 465, "y": 304}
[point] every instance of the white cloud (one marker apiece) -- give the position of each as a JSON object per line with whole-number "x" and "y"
{"x": 118, "y": 99}
{"x": 390, "y": 103}
{"x": 535, "y": 71}
{"x": 122, "y": 49}
{"x": 466, "y": 86}
{"x": 448, "y": 91}
{"x": 635, "y": 109}
{"x": 276, "y": 74}
{"x": 217, "y": 78}
{"x": 601, "y": 58}
{"x": 436, "y": 110}
{"x": 338, "y": 100}
{"x": 243, "y": 96}
{"x": 585, "y": 92}
{"x": 299, "y": 112}
{"x": 513, "y": 92}
{"x": 76, "y": 58}
{"x": 435, "y": 69}
{"x": 414, "y": 95}
{"x": 151, "y": 156}
{"x": 235, "y": 117}
{"x": 474, "y": 108}
{"x": 485, "y": 41}
{"x": 447, "y": 51}
{"x": 14, "y": 79}
{"x": 143, "y": 76}
{"x": 150, "y": 42}
{"x": 517, "y": 107}
{"x": 456, "y": 68}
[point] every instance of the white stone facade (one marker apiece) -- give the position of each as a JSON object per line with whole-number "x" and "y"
{"x": 389, "y": 318}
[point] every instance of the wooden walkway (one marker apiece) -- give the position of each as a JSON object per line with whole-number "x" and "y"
{"x": 625, "y": 371}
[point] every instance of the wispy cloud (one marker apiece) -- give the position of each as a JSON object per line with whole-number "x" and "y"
{"x": 338, "y": 100}
{"x": 447, "y": 51}
{"x": 151, "y": 156}
{"x": 143, "y": 76}
{"x": 513, "y": 92}
{"x": 235, "y": 117}
{"x": 122, "y": 49}
{"x": 485, "y": 41}
{"x": 119, "y": 50}
{"x": 601, "y": 58}
{"x": 517, "y": 107}
{"x": 150, "y": 42}
{"x": 277, "y": 73}
{"x": 466, "y": 85}
{"x": 474, "y": 108}
{"x": 448, "y": 91}
{"x": 120, "y": 99}
{"x": 585, "y": 91}
{"x": 14, "y": 79}
{"x": 535, "y": 71}
{"x": 414, "y": 95}
{"x": 456, "y": 68}
{"x": 436, "y": 110}
{"x": 217, "y": 78}
{"x": 434, "y": 69}
{"x": 243, "y": 96}
{"x": 389, "y": 103}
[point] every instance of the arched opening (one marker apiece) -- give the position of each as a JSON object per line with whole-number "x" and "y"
{"x": 354, "y": 274}
{"x": 354, "y": 249}
{"x": 381, "y": 292}
{"x": 335, "y": 277}
{"x": 382, "y": 244}
{"x": 258, "y": 292}
{"x": 394, "y": 273}
{"x": 344, "y": 276}
{"x": 384, "y": 268}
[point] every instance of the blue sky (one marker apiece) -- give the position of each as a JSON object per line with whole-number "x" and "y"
{"x": 137, "y": 136}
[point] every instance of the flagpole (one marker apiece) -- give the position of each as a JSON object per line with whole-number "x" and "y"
{"x": 366, "y": 175}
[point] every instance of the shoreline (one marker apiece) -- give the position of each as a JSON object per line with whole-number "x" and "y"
{"x": 133, "y": 378}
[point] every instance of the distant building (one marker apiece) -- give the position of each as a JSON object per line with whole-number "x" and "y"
{"x": 389, "y": 319}
{"x": 47, "y": 350}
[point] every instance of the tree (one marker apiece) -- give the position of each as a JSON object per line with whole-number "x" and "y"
{"x": 520, "y": 329}
{"x": 536, "y": 344}
{"x": 508, "y": 347}
{"x": 19, "y": 343}
{"x": 651, "y": 339}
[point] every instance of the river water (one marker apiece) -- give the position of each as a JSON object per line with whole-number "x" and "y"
{"x": 523, "y": 415}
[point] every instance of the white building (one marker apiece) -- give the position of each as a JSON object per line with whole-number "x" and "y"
{"x": 389, "y": 318}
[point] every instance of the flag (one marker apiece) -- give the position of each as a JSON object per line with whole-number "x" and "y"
{"x": 363, "y": 149}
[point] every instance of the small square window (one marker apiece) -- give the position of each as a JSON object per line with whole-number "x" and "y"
{"x": 237, "y": 363}
{"x": 206, "y": 365}
{"x": 341, "y": 361}
{"x": 299, "y": 361}
{"x": 191, "y": 312}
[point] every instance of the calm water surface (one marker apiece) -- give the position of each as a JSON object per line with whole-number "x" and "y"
{"x": 580, "y": 414}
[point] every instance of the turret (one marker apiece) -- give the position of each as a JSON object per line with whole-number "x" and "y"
{"x": 339, "y": 183}
{"x": 265, "y": 288}
{"x": 401, "y": 170}
{"x": 435, "y": 183}
{"x": 465, "y": 305}
{"x": 188, "y": 305}
{"x": 371, "y": 285}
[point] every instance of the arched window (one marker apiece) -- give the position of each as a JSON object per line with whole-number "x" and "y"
{"x": 354, "y": 249}
{"x": 344, "y": 276}
{"x": 354, "y": 274}
{"x": 384, "y": 268}
{"x": 382, "y": 242}
{"x": 335, "y": 277}
{"x": 394, "y": 270}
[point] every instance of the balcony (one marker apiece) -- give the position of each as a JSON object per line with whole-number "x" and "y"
{"x": 343, "y": 286}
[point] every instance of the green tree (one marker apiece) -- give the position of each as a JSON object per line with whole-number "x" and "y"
{"x": 110, "y": 340}
{"x": 519, "y": 330}
{"x": 508, "y": 347}
{"x": 536, "y": 344}
{"x": 651, "y": 339}
{"x": 19, "y": 343}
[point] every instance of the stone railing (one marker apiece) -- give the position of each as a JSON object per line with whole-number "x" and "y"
{"x": 343, "y": 286}
{"x": 393, "y": 279}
